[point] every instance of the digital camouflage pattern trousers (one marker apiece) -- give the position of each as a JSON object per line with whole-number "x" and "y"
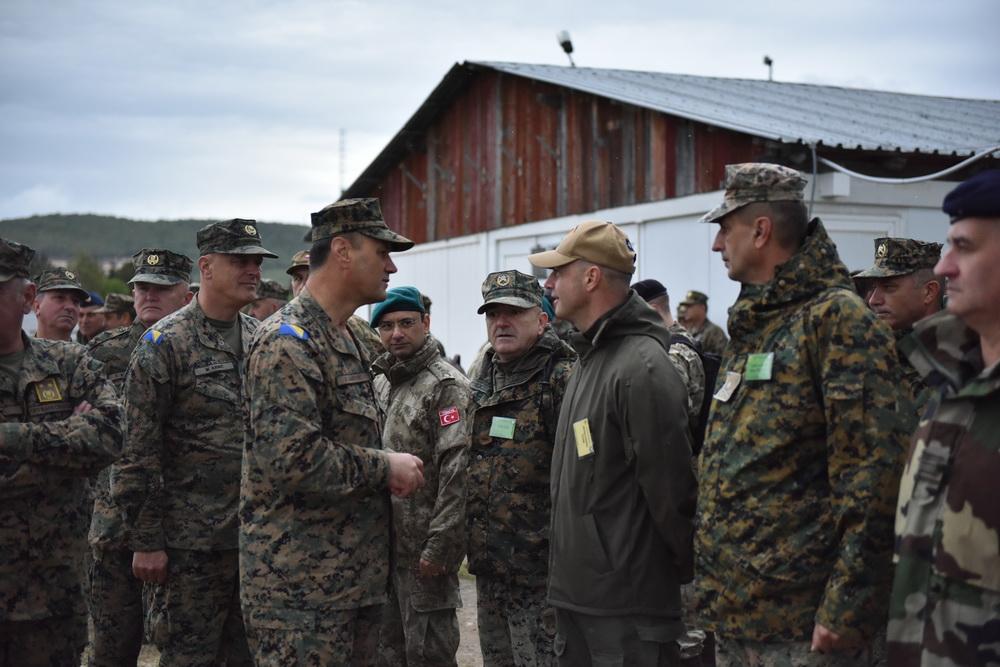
{"x": 198, "y": 621}
{"x": 516, "y": 626}
{"x": 51, "y": 642}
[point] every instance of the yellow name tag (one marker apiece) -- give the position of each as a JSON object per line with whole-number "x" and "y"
{"x": 584, "y": 442}
{"x": 47, "y": 391}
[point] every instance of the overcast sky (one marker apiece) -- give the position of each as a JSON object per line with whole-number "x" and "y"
{"x": 233, "y": 109}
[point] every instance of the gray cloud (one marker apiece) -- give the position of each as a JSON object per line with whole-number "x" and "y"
{"x": 233, "y": 108}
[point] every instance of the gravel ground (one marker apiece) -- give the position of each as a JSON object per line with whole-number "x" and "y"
{"x": 469, "y": 654}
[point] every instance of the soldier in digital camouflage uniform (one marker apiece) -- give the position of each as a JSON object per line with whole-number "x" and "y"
{"x": 710, "y": 335}
{"x": 116, "y": 595}
{"x": 518, "y": 391}
{"x": 271, "y": 296}
{"x": 945, "y": 604}
{"x": 314, "y": 497}
{"x": 426, "y": 403}
{"x": 118, "y": 311}
{"x": 369, "y": 340}
{"x": 902, "y": 289}
{"x": 299, "y": 271}
{"x": 60, "y": 422}
{"x": 57, "y": 303}
{"x": 798, "y": 472}
{"x": 177, "y": 484}
{"x": 682, "y": 354}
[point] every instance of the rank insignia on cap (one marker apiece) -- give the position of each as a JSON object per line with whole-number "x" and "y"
{"x": 293, "y": 330}
{"x": 882, "y": 250}
{"x": 503, "y": 280}
{"x": 449, "y": 416}
{"x": 250, "y": 230}
{"x": 153, "y": 260}
{"x": 71, "y": 275}
{"x": 47, "y": 391}
{"x": 153, "y": 336}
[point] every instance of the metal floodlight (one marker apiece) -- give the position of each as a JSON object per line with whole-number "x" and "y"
{"x": 567, "y": 45}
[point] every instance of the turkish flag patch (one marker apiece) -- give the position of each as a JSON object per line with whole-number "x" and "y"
{"x": 449, "y": 416}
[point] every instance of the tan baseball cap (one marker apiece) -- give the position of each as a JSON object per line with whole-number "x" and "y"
{"x": 598, "y": 242}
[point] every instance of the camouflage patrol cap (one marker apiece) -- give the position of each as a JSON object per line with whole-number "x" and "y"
{"x": 355, "y": 215}
{"x": 61, "y": 278}
{"x": 751, "y": 182}
{"x": 900, "y": 257}
{"x": 14, "y": 260}
{"x": 117, "y": 303}
{"x": 238, "y": 236}
{"x": 300, "y": 260}
{"x": 693, "y": 297}
{"x": 511, "y": 288}
{"x": 272, "y": 289}
{"x": 160, "y": 267}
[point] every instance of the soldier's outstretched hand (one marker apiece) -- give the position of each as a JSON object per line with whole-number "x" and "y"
{"x": 406, "y": 474}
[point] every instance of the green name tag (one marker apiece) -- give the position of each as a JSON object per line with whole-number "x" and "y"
{"x": 759, "y": 366}
{"x": 502, "y": 427}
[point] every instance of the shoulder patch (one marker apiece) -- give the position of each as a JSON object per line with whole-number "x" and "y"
{"x": 449, "y": 416}
{"x": 154, "y": 336}
{"x": 295, "y": 330}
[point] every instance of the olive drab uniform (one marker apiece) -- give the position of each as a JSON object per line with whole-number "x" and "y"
{"x": 711, "y": 336}
{"x": 46, "y": 455}
{"x": 426, "y": 402}
{"x": 798, "y": 471}
{"x": 177, "y": 483}
{"x": 514, "y": 427}
{"x": 945, "y": 604}
{"x": 115, "y": 593}
{"x": 314, "y": 504}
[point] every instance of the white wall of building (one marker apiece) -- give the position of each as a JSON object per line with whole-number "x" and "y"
{"x": 672, "y": 247}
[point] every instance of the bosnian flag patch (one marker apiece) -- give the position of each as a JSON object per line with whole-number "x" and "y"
{"x": 449, "y": 416}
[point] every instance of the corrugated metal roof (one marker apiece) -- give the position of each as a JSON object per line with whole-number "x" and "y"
{"x": 850, "y": 118}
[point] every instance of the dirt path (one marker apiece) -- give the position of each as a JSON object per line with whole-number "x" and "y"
{"x": 469, "y": 654}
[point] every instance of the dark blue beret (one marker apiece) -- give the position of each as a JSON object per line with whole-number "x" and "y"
{"x": 397, "y": 299}
{"x": 93, "y": 300}
{"x": 976, "y": 197}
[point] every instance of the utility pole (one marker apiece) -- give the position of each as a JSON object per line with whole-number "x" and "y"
{"x": 770, "y": 68}
{"x": 342, "y": 149}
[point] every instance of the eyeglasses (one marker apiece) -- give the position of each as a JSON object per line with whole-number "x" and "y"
{"x": 404, "y": 324}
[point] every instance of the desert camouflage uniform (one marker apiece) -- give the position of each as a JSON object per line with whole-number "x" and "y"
{"x": 692, "y": 371}
{"x": 314, "y": 502}
{"x": 509, "y": 501}
{"x": 711, "y": 336}
{"x": 46, "y": 454}
{"x": 426, "y": 403}
{"x": 798, "y": 472}
{"x": 945, "y": 604}
{"x": 115, "y": 593}
{"x": 177, "y": 484}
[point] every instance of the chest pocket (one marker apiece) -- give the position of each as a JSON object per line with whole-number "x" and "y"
{"x": 355, "y": 395}
{"x": 47, "y": 401}
{"x": 215, "y": 387}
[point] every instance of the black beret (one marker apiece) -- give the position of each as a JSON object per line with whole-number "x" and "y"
{"x": 649, "y": 289}
{"x": 976, "y": 197}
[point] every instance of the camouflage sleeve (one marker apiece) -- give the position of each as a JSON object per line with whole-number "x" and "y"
{"x": 137, "y": 479}
{"x": 652, "y": 404}
{"x": 446, "y": 533}
{"x": 715, "y": 340}
{"x": 79, "y": 445}
{"x": 865, "y": 447}
{"x": 286, "y": 428}
{"x": 688, "y": 365}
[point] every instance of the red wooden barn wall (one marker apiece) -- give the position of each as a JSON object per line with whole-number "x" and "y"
{"x": 509, "y": 150}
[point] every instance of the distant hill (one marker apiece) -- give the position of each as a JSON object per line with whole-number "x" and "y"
{"x": 106, "y": 237}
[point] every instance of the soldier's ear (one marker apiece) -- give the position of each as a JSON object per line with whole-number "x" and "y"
{"x": 30, "y": 290}
{"x": 763, "y": 229}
